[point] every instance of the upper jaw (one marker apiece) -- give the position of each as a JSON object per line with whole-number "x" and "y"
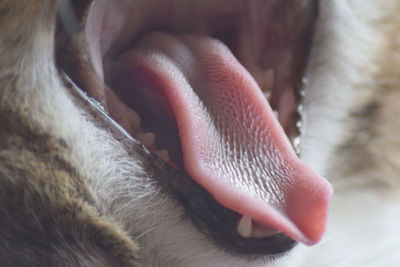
{"x": 109, "y": 29}
{"x": 271, "y": 39}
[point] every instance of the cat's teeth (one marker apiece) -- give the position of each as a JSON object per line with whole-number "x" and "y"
{"x": 147, "y": 139}
{"x": 296, "y": 144}
{"x": 262, "y": 233}
{"x": 164, "y": 155}
{"x": 276, "y": 114}
{"x": 248, "y": 229}
{"x": 299, "y": 125}
{"x": 244, "y": 227}
{"x": 267, "y": 95}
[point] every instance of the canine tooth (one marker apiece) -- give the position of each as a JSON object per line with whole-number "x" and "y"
{"x": 244, "y": 227}
{"x": 276, "y": 114}
{"x": 164, "y": 155}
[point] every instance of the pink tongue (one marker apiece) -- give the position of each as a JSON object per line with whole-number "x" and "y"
{"x": 232, "y": 144}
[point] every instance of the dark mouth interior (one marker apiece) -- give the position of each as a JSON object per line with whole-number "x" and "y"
{"x": 280, "y": 57}
{"x": 278, "y": 34}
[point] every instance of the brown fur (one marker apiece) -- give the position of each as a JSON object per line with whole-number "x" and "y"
{"x": 48, "y": 217}
{"x": 373, "y": 151}
{"x": 49, "y": 213}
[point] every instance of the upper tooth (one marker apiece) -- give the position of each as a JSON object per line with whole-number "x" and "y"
{"x": 300, "y": 109}
{"x": 299, "y": 124}
{"x": 304, "y": 81}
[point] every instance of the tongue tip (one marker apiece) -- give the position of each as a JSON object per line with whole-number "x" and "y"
{"x": 310, "y": 213}
{"x": 314, "y": 237}
{"x": 303, "y": 216}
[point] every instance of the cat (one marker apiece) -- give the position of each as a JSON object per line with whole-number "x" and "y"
{"x": 155, "y": 133}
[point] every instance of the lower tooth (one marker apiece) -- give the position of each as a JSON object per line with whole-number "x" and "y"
{"x": 164, "y": 155}
{"x": 247, "y": 229}
{"x": 147, "y": 139}
{"x": 264, "y": 233}
{"x": 124, "y": 122}
{"x": 267, "y": 95}
{"x": 244, "y": 227}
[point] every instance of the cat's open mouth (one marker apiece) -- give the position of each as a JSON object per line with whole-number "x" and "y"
{"x": 213, "y": 88}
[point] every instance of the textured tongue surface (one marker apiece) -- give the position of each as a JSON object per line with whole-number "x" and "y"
{"x": 232, "y": 144}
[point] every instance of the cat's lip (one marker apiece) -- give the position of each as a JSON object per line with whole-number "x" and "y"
{"x": 90, "y": 76}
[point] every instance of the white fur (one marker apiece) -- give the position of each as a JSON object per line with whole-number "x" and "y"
{"x": 363, "y": 228}
{"x": 339, "y": 74}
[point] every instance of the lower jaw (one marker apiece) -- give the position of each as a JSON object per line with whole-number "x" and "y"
{"x": 212, "y": 219}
